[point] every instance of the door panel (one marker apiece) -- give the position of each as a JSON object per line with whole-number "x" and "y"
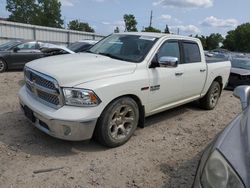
{"x": 21, "y": 57}
{"x": 194, "y": 68}
{"x": 165, "y": 86}
{"x": 166, "y": 83}
{"x": 194, "y": 79}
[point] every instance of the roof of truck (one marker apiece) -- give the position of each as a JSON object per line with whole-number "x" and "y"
{"x": 158, "y": 35}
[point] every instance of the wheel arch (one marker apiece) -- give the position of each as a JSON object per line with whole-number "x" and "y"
{"x": 220, "y": 81}
{"x": 140, "y": 106}
{"x": 2, "y": 58}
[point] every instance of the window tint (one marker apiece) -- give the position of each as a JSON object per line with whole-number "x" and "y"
{"x": 191, "y": 52}
{"x": 27, "y": 46}
{"x": 132, "y": 48}
{"x": 169, "y": 49}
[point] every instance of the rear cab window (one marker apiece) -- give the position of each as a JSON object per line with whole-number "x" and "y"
{"x": 191, "y": 52}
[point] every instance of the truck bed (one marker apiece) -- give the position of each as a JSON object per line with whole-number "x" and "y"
{"x": 215, "y": 60}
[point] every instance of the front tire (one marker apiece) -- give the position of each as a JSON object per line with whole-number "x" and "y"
{"x": 118, "y": 122}
{"x": 3, "y": 66}
{"x": 210, "y": 100}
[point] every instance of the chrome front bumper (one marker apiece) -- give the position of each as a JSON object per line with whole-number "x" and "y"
{"x": 73, "y": 129}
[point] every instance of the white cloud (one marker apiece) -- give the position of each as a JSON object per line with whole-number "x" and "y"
{"x": 113, "y": 25}
{"x": 101, "y": 1}
{"x": 106, "y": 23}
{"x": 187, "y": 29}
{"x": 185, "y": 3}
{"x": 216, "y": 22}
{"x": 166, "y": 17}
{"x": 67, "y": 3}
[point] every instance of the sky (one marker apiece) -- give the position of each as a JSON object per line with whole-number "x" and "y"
{"x": 201, "y": 17}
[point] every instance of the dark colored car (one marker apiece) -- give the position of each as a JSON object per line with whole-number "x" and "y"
{"x": 82, "y": 46}
{"x": 240, "y": 72}
{"x": 226, "y": 161}
{"x": 14, "y": 55}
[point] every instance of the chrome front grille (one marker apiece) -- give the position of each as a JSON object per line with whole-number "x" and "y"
{"x": 43, "y": 88}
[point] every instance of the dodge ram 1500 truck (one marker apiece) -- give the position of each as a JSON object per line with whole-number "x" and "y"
{"x": 109, "y": 90}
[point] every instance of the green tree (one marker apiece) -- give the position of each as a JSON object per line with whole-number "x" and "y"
{"x": 203, "y": 40}
{"x": 50, "y": 13}
{"x": 130, "y": 22}
{"x": 80, "y": 26}
{"x": 166, "y": 30}
{"x": 117, "y": 30}
{"x": 23, "y": 11}
{"x": 213, "y": 41}
{"x": 37, "y": 12}
{"x": 151, "y": 29}
{"x": 238, "y": 39}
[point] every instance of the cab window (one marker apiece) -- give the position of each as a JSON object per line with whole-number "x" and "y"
{"x": 28, "y": 46}
{"x": 191, "y": 52}
{"x": 169, "y": 48}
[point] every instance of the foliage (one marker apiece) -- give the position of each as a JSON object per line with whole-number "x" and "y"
{"x": 166, "y": 30}
{"x": 130, "y": 22}
{"x": 211, "y": 42}
{"x": 50, "y": 13}
{"x": 41, "y": 12}
{"x": 23, "y": 11}
{"x": 238, "y": 39}
{"x": 80, "y": 26}
{"x": 117, "y": 30}
{"x": 151, "y": 29}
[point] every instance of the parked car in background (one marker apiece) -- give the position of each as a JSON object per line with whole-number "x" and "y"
{"x": 226, "y": 161}
{"x": 240, "y": 72}
{"x": 15, "y": 54}
{"x": 82, "y": 46}
{"x": 9, "y": 44}
{"x": 109, "y": 90}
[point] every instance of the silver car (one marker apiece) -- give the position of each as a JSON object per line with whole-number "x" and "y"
{"x": 226, "y": 161}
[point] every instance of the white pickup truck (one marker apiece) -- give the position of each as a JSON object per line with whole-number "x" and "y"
{"x": 109, "y": 90}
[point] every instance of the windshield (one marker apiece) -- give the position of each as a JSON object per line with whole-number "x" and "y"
{"x": 241, "y": 63}
{"x": 79, "y": 46}
{"x": 132, "y": 48}
{"x": 8, "y": 45}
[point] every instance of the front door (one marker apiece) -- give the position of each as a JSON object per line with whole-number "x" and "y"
{"x": 166, "y": 83}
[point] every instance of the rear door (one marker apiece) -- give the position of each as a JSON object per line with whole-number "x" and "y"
{"x": 27, "y": 52}
{"x": 194, "y": 76}
{"x": 166, "y": 83}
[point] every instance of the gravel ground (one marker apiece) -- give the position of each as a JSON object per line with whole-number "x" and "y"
{"x": 163, "y": 154}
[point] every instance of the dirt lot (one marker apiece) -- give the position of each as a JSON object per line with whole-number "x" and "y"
{"x": 163, "y": 154}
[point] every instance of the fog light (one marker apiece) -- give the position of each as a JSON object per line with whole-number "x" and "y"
{"x": 67, "y": 130}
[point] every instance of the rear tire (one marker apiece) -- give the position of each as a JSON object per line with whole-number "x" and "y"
{"x": 3, "y": 66}
{"x": 117, "y": 123}
{"x": 210, "y": 100}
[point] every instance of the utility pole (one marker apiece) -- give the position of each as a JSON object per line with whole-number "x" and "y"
{"x": 151, "y": 17}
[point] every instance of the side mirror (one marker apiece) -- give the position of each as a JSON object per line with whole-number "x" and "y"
{"x": 16, "y": 49}
{"x": 168, "y": 61}
{"x": 243, "y": 93}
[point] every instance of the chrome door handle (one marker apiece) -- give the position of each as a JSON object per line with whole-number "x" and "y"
{"x": 202, "y": 70}
{"x": 178, "y": 73}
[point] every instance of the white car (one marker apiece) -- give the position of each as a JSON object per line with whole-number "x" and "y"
{"x": 109, "y": 91}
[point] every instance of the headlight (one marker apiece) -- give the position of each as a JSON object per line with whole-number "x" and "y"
{"x": 80, "y": 97}
{"x": 219, "y": 174}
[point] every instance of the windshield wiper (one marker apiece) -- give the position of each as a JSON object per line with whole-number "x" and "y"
{"x": 88, "y": 51}
{"x": 112, "y": 56}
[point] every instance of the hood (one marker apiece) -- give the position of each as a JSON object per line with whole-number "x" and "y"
{"x": 234, "y": 143}
{"x": 240, "y": 71}
{"x": 74, "y": 69}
